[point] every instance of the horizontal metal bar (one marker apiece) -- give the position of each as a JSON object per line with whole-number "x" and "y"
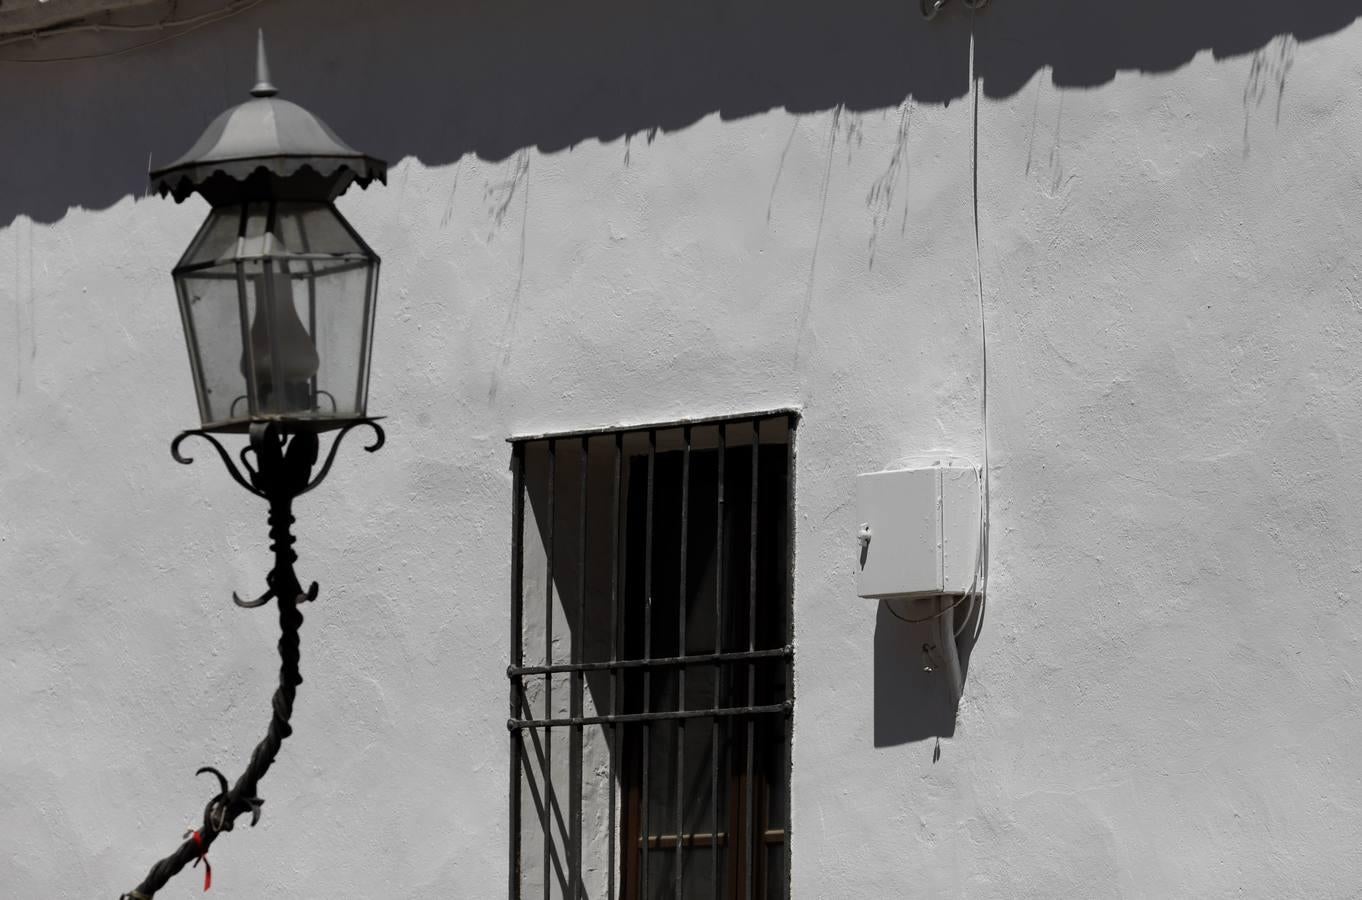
{"x": 659, "y": 841}
{"x": 353, "y": 260}
{"x": 705, "y": 659}
{"x": 704, "y": 839}
{"x": 659, "y": 426}
{"x": 625, "y": 718}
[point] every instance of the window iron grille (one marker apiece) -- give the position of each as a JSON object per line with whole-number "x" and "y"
{"x": 650, "y": 748}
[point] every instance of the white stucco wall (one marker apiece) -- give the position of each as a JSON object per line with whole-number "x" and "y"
{"x": 1161, "y": 703}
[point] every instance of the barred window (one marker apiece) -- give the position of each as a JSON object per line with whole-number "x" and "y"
{"x": 650, "y": 673}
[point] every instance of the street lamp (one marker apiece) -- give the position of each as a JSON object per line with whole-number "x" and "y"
{"x": 276, "y": 294}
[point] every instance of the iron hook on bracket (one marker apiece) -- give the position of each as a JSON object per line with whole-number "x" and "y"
{"x": 222, "y": 452}
{"x": 215, "y": 813}
{"x": 379, "y": 438}
{"x": 258, "y": 601}
{"x": 306, "y": 597}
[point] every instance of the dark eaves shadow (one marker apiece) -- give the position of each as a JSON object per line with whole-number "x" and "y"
{"x": 438, "y": 79}
{"x": 1086, "y": 44}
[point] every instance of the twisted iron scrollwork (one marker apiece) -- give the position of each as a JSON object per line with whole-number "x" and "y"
{"x": 258, "y": 436}
{"x": 282, "y": 471}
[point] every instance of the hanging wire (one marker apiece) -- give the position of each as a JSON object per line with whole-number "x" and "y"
{"x": 983, "y": 325}
{"x": 183, "y": 26}
{"x": 977, "y": 595}
{"x": 973, "y": 602}
{"x": 936, "y": 615}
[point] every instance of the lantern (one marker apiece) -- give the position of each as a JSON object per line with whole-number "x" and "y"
{"x": 276, "y": 293}
{"x": 277, "y": 290}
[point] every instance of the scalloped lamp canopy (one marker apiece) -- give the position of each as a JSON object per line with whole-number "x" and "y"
{"x": 267, "y": 148}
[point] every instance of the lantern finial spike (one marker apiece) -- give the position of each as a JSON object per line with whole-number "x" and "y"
{"x": 262, "y": 88}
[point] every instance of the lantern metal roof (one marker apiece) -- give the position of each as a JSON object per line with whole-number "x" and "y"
{"x": 267, "y": 148}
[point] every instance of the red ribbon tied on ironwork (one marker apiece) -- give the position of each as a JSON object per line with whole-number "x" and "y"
{"x": 203, "y": 858}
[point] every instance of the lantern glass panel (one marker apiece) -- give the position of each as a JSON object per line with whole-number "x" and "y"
{"x": 278, "y": 304}
{"x": 210, "y": 307}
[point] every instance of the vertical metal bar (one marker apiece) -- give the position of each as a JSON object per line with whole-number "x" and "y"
{"x": 647, "y": 653}
{"x": 367, "y": 339}
{"x": 681, "y": 651}
{"x": 278, "y": 396}
{"x": 195, "y": 361}
{"x": 371, "y": 275}
{"x": 578, "y": 642}
{"x": 374, "y": 266}
{"x": 719, "y": 577}
{"x": 517, "y": 654}
{"x": 749, "y": 837}
{"x": 548, "y": 678}
{"x": 311, "y": 294}
{"x": 247, "y": 348}
{"x": 614, "y": 649}
{"x": 792, "y": 423}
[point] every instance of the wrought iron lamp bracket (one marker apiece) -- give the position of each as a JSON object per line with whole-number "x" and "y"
{"x": 265, "y": 478}
{"x": 276, "y": 465}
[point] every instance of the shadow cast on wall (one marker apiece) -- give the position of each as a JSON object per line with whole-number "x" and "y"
{"x": 438, "y": 79}
{"x": 913, "y": 698}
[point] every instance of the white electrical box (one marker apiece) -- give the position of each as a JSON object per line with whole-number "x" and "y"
{"x": 919, "y": 532}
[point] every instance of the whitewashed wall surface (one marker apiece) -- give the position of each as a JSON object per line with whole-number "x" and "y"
{"x": 612, "y": 212}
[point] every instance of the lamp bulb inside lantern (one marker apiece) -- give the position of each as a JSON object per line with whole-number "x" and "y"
{"x": 278, "y": 328}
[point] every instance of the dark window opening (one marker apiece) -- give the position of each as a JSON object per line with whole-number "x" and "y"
{"x": 651, "y": 696}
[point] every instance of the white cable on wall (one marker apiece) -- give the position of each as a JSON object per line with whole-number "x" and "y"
{"x": 978, "y": 590}
{"x": 983, "y": 324}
